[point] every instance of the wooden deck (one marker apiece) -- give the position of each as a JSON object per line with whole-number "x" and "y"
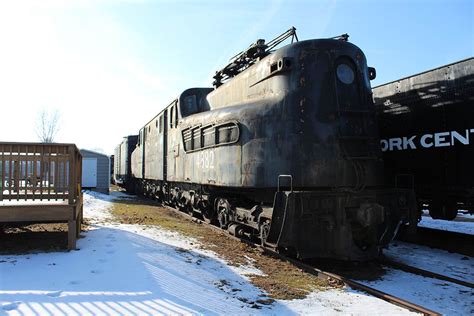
{"x": 41, "y": 183}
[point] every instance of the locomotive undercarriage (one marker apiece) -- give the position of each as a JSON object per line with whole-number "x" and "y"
{"x": 306, "y": 224}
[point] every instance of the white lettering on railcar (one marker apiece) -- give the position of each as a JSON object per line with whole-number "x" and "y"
{"x": 431, "y": 140}
{"x": 205, "y": 159}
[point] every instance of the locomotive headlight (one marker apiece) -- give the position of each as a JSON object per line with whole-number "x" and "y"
{"x": 345, "y": 73}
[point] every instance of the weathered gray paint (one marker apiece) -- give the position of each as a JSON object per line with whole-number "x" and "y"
{"x": 280, "y": 111}
{"x": 298, "y": 116}
{"x": 103, "y": 170}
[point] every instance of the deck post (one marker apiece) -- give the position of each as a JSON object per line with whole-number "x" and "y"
{"x": 71, "y": 234}
{"x": 78, "y": 220}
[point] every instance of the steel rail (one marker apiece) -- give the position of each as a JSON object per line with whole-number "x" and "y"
{"x": 411, "y": 269}
{"x": 315, "y": 271}
{"x": 461, "y": 243}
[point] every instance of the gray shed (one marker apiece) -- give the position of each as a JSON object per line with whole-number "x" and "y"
{"x": 95, "y": 171}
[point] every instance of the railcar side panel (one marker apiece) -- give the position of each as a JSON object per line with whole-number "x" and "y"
{"x": 427, "y": 129}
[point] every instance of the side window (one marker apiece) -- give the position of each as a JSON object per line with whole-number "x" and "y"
{"x": 171, "y": 116}
{"x": 176, "y": 115}
{"x": 160, "y": 124}
{"x": 189, "y": 106}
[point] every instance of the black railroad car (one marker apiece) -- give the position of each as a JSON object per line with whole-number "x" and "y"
{"x": 111, "y": 171}
{"x": 122, "y": 161}
{"x": 284, "y": 147}
{"x": 427, "y": 128}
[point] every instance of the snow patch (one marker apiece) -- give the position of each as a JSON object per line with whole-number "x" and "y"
{"x": 135, "y": 269}
{"x": 435, "y": 260}
{"x": 463, "y": 223}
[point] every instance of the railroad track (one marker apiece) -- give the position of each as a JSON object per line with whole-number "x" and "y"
{"x": 442, "y": 239}
{"x": 422, "y": 272}
{"x": 331, "y": 277}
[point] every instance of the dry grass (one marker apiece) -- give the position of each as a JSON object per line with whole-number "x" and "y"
{"x": 282, "y": 280}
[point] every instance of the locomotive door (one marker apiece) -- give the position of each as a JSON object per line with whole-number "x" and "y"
{"x": 165, "y": 144}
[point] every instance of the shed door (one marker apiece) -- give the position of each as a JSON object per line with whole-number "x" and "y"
{"x": 89, "y": 172}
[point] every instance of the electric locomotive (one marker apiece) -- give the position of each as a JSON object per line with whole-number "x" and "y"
{"x": 285, "y": 148}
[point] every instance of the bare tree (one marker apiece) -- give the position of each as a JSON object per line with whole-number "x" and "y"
{"x": 47, "y": 125}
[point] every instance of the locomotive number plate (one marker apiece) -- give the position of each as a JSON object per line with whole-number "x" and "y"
{"x": 205, "y": 159}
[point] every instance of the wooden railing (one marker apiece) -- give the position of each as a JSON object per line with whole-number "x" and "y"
{"x": 38, "y": 171}
{"x": 33, "y": 177}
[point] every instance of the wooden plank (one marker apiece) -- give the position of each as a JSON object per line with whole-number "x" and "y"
{"x": 49, "y": 171}
{"x": 36, "y": 213}
{"x": 39, "y": 144}
{"x": 35, "y": 173}
{"x": 65, "y": 181}
{"x": 41, "y": 172}
{"x": 18, "y": 156}
{"x": 56, "y": 171}
{"x": 72, "y": 181}
{"x": 71, "y": 234}
{"x": 10, "y": 174}
{"x": 26, "y": 171}
{"x": 54, "y": 196}
{"x": 79, "y": 214}
{"x": 17, "y": 178}
{"x": 2, "y": 148}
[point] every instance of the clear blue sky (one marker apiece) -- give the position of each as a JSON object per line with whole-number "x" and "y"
{"x": 128, "y": 59}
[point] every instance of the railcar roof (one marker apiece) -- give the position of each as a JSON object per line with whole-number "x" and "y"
{"x": 424, "y": 72}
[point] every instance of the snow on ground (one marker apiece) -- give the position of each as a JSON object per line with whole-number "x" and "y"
{"x": 134, "y": 269}
{"x": 454, "y": 265}
{"x": 440, "y": 296}
{"x": 463, "y": 223}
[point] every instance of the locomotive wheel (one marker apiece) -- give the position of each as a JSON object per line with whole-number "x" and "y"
{"x": 223, "y": 211}
{"x": 447, "y": 211}
{"x": 207, "y": 215}
{"x": 451, "y": 211}
{"x": 436, "y": 212}
{"x": 159, "y": 196}
{"x": 264, "y": 230}
{"x": 184, "y": 205}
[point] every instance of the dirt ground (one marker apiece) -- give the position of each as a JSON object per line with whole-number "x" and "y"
{"x": 282, "y": 280}
{"x": 33, "y": 238}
